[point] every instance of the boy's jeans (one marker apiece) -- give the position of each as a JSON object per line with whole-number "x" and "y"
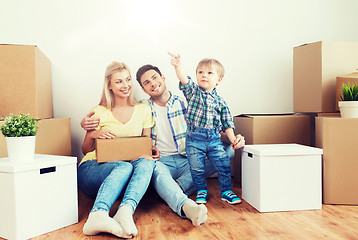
{"x": 202, "y": 143}
{"x": 175, "y": 168}
{"x": 106, "y": 181}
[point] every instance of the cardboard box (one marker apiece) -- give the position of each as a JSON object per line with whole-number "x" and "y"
{"x": 123, "y": 148}
{"x": 53, "y": 137}
{"x": 338, "y": 137}
{"x": 282, "y": 177}
{"x": 25, "y": 81}
{"x": 38, "y": 196}
{"x": 272, "y": 129}
{"x": 351, "y": 78}
{"x": 315, "y": 68}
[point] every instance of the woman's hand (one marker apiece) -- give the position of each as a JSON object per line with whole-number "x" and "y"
{"x": 146, "y": 156}
{"x": 239, "y": 142}
{"x": 103, "y": 134}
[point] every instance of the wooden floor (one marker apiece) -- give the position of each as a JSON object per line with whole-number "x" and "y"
{"x": 155, "y": 220}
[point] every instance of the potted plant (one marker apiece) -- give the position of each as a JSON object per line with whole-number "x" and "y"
{"x": 20, "y": 135}
{"x": 348, "y": 104}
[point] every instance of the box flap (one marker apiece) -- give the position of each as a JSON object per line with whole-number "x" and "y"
{"x": 281, "y": 150}
{"x": 41, "y": 161}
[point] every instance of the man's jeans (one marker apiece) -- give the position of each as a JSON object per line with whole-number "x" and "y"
{"x": 204, "y": 143}
{"x": 106, "y": 181}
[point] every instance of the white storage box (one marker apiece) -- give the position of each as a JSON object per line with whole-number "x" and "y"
{"x": 282, "y": 177}
{"x": 37, "y": 196}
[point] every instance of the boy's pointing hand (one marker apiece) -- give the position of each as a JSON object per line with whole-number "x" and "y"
{"x": 175, "y": 60}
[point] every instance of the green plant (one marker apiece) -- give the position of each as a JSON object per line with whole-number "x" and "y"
{"x": 349, "y": 92}
{"x": 19, "y": 126}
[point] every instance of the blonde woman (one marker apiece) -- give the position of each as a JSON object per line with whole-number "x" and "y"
{"x": 120, "y": 115}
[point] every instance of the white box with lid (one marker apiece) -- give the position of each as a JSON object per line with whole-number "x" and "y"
{"x": 38, "y": 196}
{"x": 282, "y": 177}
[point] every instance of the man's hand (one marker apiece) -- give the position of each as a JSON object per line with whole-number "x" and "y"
{"x": 88, "y": 123}
{"x": 155, "y": 153}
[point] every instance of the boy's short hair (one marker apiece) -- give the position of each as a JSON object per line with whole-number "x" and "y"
{"x": 211, "y": 62}
{"x": 144, "y": 69}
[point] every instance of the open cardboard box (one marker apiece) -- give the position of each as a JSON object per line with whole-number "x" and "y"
{"x": 123, "y": 148}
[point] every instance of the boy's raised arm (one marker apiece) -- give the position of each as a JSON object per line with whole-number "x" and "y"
{"x": 175, "y": 61}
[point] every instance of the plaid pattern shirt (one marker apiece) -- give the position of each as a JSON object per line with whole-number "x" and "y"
{"x": 206, "y": 110}
{"x": 176, "y": 108}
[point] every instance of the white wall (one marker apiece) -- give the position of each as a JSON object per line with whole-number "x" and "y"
{"x": 253, "y": 39}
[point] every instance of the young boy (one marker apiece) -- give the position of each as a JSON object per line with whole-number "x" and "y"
{"x": 207, "y": 115}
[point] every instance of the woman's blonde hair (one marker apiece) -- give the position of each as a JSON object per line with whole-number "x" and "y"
{"x": 107, "y": 98}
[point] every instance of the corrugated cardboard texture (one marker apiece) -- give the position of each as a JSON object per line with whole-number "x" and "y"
{"x": 25, "y": 81}
{"x": 53, "y": 137}
{"x": 271, "y": 129}
{"x": 351, "y": 78}
{"x": 315, "y": 68}
{"x": 338, "y": 137}
{"x": 123, "y": 149}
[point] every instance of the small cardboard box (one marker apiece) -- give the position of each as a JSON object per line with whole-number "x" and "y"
{"x": 282, "y": 177}
{"x": 338, "y": 137}
{"x": 351, "y": 78}
{"x": 123, "y": 148}
{"x": 272, "y": 129}
{"x": 53, "y": 137}
{"x": 25, "y": 81}
{"x": 38, "y": 196}
{"x": 315, "y": 68}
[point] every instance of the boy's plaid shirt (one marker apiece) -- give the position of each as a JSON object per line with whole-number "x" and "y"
{"x": 176, "y": 108}
{"x": 206, "y": 110}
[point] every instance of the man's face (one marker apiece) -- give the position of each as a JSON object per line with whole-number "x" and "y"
{"x": 153, "y": 84}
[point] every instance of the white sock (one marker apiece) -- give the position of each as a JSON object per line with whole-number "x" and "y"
{"x": 196, "y": 213}
{"x": 124, "y": 216}
{"x": 100, "y": 221}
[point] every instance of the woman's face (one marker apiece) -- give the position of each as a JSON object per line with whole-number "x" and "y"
{"x": 121, "y": 84}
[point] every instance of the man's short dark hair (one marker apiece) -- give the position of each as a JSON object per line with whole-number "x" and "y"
{"x": 144, "y": 69}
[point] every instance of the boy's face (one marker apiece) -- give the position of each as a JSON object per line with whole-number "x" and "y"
{"x": 207, "y": 77}
{"x": 152, "y": 83}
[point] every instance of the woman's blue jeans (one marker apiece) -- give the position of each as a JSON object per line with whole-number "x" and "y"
{"x": 106, "y": 181}
{"x": 204, "y": 143}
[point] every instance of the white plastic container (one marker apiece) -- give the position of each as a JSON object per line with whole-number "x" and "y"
{"x": 37, "y": 196}
{"x": 282, "y": 177}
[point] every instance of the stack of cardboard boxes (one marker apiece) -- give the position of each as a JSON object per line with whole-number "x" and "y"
{"x": 317, "y": 74}
{"x": 26, "y": 86}
{"x": 317, "y": 77}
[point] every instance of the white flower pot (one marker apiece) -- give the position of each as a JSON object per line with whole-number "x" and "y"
{"x": 348, "y": 109}
{"x": 20, "y": 149}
